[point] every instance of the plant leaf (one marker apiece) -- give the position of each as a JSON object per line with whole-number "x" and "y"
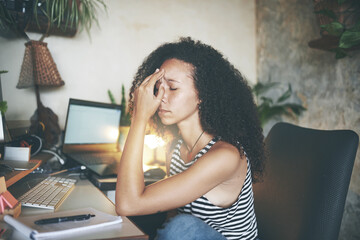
{"x": 260, "y": 88}
{"x": 3, "y": 106}
{"x": 356, "y": 27}
{"x": 125, "y": 119}
{"x": 296, "y": 109}
{"x": 266, "y": 100}
{"x": 333, "y": 28}
{"x": 267, "y": 109}
{"x": 111, "y": 96}
{"x": 349, "y": 39}
{"x": 340, "y": 53}
{"x": 268, "y": 113}
{"x": 286, "y": 95}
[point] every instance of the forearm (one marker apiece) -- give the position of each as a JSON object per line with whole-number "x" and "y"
{"x": 130, "y": 181}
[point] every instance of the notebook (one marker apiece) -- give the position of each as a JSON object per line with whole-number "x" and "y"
{"x": 65, "y": 230}
{"x": 91, "y": 135}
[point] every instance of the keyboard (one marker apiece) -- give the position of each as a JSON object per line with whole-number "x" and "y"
{"x": 49, "y": 193}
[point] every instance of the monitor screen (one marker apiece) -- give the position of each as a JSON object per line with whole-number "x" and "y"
{"x": 92, "y": 124}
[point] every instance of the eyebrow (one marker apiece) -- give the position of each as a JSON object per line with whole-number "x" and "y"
{"x": 171, "y": 80}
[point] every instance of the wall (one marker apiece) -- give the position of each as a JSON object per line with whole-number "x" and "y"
{"x": 330, "y": 88}
{"x": 128, "y": 32}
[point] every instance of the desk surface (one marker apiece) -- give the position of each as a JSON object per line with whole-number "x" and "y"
{"x": 84, "y": 195}
{"x": 14, "y": 176}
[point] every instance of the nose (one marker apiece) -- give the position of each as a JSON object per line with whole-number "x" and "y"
{"x": 164, "y": 98}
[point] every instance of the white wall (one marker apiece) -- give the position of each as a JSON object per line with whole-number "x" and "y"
{"x": 128, "y": 32}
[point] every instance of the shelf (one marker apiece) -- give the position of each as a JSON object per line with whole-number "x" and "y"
{"x": 329, "y": 43}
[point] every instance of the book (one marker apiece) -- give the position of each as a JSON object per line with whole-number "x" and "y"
{"x": 7, "y": 200}
{"x": 8, "y": 204}
{"x": 100, "y": 222}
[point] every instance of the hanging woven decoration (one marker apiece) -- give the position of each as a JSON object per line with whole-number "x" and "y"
{"x": 39, "y": 69}
{"x": 38, "y": 58}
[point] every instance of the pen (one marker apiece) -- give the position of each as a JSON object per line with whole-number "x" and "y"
{"x": 67, "y": 170}
{"x": 64, "y": 219}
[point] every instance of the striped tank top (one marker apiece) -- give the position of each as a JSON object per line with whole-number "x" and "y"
{"x": 235, "y": 222}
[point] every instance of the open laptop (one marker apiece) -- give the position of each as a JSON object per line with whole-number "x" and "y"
{"x": 92, "y": 134}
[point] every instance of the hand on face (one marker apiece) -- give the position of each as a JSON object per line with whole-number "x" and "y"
{"x": 146, "y": 103}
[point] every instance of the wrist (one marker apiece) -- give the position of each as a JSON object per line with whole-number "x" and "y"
{"x": 139, "y": 120}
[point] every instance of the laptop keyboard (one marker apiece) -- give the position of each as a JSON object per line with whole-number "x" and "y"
{"x": 49, "y": 193}
{"x": 96, "y": 158}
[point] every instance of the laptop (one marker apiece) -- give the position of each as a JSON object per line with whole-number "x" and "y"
{"x": 91, "y": 135}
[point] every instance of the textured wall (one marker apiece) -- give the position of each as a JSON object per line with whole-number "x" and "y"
{"x": 330, "y": 88}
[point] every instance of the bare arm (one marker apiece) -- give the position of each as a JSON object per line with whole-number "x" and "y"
{"x": 130, "y": 183}
{"x": 214, "y": 168}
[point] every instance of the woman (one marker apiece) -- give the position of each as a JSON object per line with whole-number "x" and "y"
{"x": 189, "y": 92}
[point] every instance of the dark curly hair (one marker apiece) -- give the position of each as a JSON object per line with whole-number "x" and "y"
{"x": 227, "y": 108}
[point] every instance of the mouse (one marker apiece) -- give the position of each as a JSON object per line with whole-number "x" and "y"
{"x": 156, "y": 173}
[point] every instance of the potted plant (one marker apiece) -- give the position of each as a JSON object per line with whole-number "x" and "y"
{"x": 125, "y": 119}
{"x": 59, "y": 17}
{"x": 270, "y": 107}
{"x": 340, "y": 26}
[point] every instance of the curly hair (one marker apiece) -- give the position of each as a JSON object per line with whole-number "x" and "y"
{"x": 227, "y": 107}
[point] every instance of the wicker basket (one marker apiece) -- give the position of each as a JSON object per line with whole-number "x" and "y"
{"x": 38, "y": 67}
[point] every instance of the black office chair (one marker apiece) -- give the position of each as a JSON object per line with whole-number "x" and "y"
{"x": 305, "y": 183}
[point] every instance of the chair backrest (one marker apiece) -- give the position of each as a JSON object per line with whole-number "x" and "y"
{"x": 305, "y": 183}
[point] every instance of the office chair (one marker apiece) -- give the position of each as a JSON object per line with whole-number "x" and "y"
{"x": 305, "y": 183}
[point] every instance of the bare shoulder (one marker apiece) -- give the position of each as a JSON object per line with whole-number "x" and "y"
{"x": 224, "y": 157}
{"x": 226, "y": 150}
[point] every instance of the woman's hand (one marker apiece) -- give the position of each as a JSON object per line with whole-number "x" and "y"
{"x": 146, "y": 103}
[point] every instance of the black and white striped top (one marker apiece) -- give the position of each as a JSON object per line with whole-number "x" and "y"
{"x": 235, "y": 222}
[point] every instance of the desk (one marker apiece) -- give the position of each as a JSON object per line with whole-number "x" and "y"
{"x": 85, "y": 194}
{"x": 14, "y": 176}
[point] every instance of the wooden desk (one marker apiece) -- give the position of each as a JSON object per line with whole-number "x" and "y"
{"x": 14, "y": 176}
{"x": 84, "y": 195}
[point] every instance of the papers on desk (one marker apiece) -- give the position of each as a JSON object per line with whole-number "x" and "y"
{"x": 63, "y": 230}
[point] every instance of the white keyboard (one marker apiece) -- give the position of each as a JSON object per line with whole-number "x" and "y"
{"x": 49, "y": 193}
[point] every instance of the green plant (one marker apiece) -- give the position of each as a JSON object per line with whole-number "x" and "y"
{"x": 3, "y": 104}
{"x": 60, "y": 14}
{"x": 269, "y": 107}
{"x": 344, "y": 24}
{"x": 71, "y": 13}
{"x": 125, "y": 118}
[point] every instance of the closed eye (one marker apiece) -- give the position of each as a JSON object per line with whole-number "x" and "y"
{"x": 173, "y": 89}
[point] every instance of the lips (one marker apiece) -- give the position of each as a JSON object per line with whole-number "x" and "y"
{"x": 162, "y": 111}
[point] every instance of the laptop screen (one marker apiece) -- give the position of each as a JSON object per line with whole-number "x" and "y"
{"x": 92, "y": 123}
